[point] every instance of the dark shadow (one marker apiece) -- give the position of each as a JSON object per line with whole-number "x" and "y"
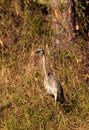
{"x": 69, "y": 106}
{"x": 2, "y": 108}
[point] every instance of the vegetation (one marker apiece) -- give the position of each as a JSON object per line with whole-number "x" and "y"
{"x": 24, "y": 104}
{"x": 81, "y": 17}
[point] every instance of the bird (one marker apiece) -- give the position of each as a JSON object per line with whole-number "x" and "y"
{"x": 51, "y": 83}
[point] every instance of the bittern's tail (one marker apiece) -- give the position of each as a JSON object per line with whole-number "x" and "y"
{"x": 61, "y": 99}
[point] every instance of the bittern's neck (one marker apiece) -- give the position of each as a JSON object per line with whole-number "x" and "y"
{"x": 44, "y": 65}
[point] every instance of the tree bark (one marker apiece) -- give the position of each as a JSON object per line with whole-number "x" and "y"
{"x": 62, "y": 22}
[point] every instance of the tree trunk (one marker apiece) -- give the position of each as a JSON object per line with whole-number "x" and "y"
{"x": 62, "y": 22}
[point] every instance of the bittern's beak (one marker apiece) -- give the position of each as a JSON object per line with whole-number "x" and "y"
{"x": 39, "y": 50}
{"x": 36, "y": 51}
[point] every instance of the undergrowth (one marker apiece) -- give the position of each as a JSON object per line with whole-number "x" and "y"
{"x": 24, "y": 103}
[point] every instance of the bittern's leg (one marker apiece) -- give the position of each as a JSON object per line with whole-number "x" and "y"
{"x": 55, "y": 100}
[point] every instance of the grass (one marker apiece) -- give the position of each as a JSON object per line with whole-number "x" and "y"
{"x": 24, "y": 103}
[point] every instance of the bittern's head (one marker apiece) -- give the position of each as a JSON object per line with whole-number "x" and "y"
{"x": 40, "y": 51}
